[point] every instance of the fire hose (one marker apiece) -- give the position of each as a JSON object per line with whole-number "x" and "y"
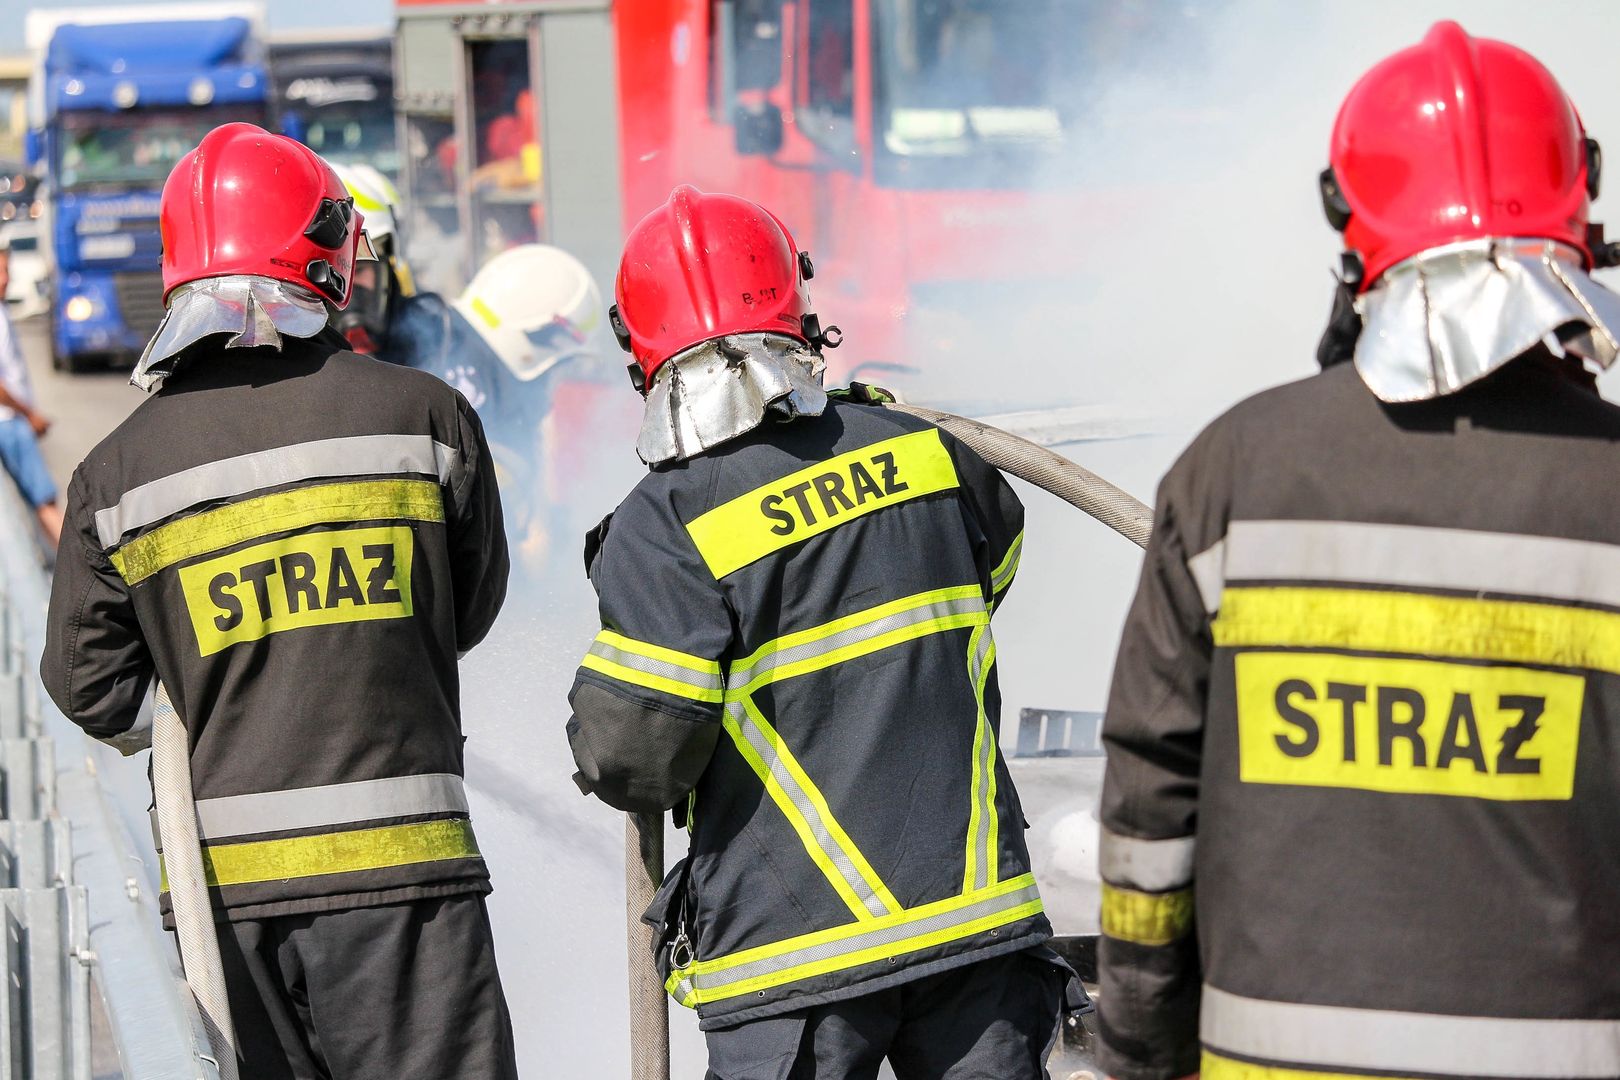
{"x": 188, "y": 886}
{"x": 644, "y": 833}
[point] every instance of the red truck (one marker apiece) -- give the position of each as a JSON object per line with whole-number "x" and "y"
{"x": 919, "y": 148}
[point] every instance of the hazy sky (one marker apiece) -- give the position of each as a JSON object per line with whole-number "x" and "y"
{"x": 284, "y": 15}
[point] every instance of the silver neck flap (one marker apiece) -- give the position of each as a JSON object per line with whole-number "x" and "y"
{"x": 253, "y": 310}
{"x": 727, "y": 387}
{"x": 1451, "y": 315}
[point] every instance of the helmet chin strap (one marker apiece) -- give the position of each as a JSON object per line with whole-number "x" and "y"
{"x": 1338, "y": 344}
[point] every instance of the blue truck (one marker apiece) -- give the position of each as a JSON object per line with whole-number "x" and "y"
{"x": 117, "y": 95}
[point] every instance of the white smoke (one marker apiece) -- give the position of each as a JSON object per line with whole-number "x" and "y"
{"x": 1206, "y": 279}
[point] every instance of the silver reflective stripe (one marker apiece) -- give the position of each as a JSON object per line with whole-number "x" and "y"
{"x": 807, "y": 809}
{"x": 809, "y": 650}
{"x": 333, "y": 804}
{"x": 1580, "y": 571}
{"x": 1404, "y": 1043}
{"x": 880, "y": 938}
{"x": 983, "y": 767}
{"x": 1146, "y": 865}
{"x": 359, "y": 455}
{"x": 1209, "y": 572}
{"x": 665, "y": 669}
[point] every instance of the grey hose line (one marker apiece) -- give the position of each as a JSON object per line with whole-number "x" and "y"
{"x": 1074, "y": 484}
{"x": 649, "y": 1005}
{"x": 188, "y": 887}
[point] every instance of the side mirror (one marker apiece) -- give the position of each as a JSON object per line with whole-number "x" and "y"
{"x": 33, "y": 147}
{"x": 758, "y": 131}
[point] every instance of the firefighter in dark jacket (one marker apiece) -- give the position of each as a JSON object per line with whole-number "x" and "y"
{"x": 1365, "y": 705}
{"x": 299, "y": 542}
{"x": 796, "y": 656}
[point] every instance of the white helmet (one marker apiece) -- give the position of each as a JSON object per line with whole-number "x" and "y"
{"x": 536, "y": 306}
{"x": 375, "y": 196}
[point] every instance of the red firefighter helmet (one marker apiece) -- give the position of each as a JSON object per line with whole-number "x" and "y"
{"x": 249, "y": 202}
{"x": 1457, "y": 138}
{"x": 704, "y": 266}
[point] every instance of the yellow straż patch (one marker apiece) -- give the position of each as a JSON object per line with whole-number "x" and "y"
{"x": 310, "y": 579}
{"x": 1411, "y": 726}
{"x": 820, "y": 498}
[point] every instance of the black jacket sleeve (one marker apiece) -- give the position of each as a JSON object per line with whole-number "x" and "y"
{"x": 649, "y": 695}
{"x": 1148, "y": 956}
{"x": 96, "y": 666}
{"x": 994, "y": 510}
{"x": 478, "y": 556}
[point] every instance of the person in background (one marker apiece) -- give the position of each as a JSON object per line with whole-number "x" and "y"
{"x": 524, "y": 344}
{"x": 22, "y": 425}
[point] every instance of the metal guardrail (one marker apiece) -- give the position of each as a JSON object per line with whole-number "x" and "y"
{"x": 75, "y": 910}
{"x": 1058, "y": 733}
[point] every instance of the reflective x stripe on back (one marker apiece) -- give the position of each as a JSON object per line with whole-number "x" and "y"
{"x": 861, "y": 634}
{"x": 855, "y": 944}
{"x": 982, "y": 864}
{"x": 802, "y": 803}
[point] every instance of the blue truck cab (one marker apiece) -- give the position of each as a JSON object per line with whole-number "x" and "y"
{"x": 120, "y": 103}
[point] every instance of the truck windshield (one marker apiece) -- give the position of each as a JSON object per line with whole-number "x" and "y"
{"x": 349, "y": 134}
{"x": 137, "y": 147}
{"x": 974, "y": 78}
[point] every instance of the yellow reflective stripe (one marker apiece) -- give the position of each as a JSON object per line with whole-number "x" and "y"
{"x": 1216, "y": 1067}
{"x": 743, "y": 670}
{"x": 675, "y": 687}
{"x": 338, "y": 853}
{"x": 1420, "y": 624}
{"x": 284, "y": 511}
{"x": 681, "y": 991}
{"x": 659, "y": 652}
{"x": 1002, "y": 575}
{"x": 822, "y": 497}
{"x": 1146, "y": 918}
{"x": 992, "y": 845}
{"x": 485, "y": 312}
{"x": 982, "y": 864}
{"x": 789, "y": 802}
{"x": 855, "y": 944}
{"x": 655, "y": 667}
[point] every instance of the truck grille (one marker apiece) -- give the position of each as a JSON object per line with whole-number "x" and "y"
{"x": 140, "y": 299}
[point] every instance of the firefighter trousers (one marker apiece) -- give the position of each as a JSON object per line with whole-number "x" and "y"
{"x": 403, "y": 992}
{"x": 993, "y": 1020}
